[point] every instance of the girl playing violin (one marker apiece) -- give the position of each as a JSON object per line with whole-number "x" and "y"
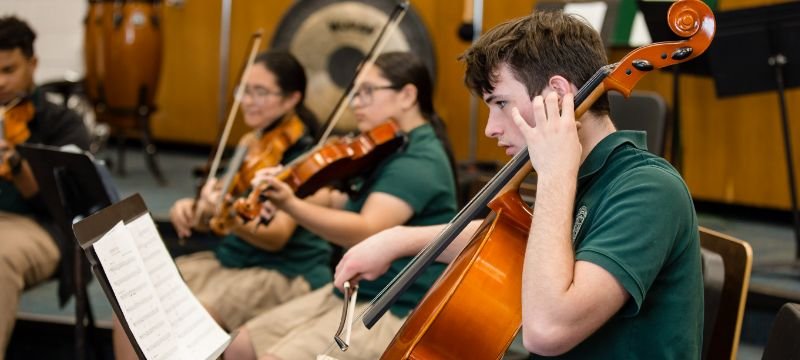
{"x": 413, "y": 186}
{"x": 254, "y": 267}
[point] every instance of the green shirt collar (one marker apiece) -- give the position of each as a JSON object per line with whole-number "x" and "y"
{"x": 423, "y": 129}
{"x": 601, "y": 152}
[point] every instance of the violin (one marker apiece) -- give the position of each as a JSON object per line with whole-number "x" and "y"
{"x": 340, "y": 159}
{"x": 265, "y": 151}
{"x": 14, "y": 119}
{"x": 474, "y": 310}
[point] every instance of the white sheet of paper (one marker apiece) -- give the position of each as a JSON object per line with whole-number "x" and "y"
{"x": 594, "y": 12}
{"x": 163, "y": 314}
{"x": 196, "y": 330}
{"x": 640, "y": 34}
{"x": 136, "y": 295}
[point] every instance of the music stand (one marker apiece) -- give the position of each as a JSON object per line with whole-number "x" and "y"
{"x": 68, "y": 184}
{"x": 757, "y": 50}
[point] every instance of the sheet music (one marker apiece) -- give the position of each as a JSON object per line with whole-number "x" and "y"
{"x": 166, "y": 319}
{"x": 197, "y": 332}
{"x": 136, "y": 295}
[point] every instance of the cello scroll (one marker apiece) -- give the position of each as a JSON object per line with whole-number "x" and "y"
{"x": 691, "y": 19}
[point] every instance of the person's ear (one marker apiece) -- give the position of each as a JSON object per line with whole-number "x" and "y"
{"x": 408, "y": 96}
{"x": 293, "y": 99}
{"x": 560, "y": 85}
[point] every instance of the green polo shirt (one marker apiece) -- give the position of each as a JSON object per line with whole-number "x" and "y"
{"x": 305, "y": 254}
{"x": 421, "y": 176}
{"x": 635, "y": 218}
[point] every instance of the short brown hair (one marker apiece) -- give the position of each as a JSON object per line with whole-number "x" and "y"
{"x": 535, "y": 48}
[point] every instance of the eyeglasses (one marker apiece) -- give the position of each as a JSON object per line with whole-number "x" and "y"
{"x": 258, "y": 93}
{"x": 365, "y": 92}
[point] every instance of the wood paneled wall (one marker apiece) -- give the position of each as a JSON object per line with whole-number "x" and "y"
{"x": 732, "y": 148}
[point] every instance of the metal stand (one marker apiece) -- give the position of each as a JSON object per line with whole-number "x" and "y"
{"x": 71, "y": 186}
{"x": 676, "y": 153}
{"x": 84, "y": 318}
{"x": 777, "y": 62}
{"x": 142, "y": 117}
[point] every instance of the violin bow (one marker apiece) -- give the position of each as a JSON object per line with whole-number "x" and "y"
{"x": 237, "y": 99}
{"x": 369, "y": 61}
{"x": 690, "y": 19}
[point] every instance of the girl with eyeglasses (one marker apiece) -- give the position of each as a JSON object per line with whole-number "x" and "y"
{"x": 254, "y": 268}
{"x": 415, "y": 186}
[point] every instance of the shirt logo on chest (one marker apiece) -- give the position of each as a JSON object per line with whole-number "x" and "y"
{"x": 579, "y": 218}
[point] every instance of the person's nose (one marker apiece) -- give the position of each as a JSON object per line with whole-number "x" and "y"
{"x": 493, "y": 128}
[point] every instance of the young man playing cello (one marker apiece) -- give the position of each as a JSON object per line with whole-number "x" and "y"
{"x": 606, "y": 273}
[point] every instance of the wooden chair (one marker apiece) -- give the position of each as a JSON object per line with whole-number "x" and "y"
{"x": 737, "y": 257}
{"x": 784, "y": 338}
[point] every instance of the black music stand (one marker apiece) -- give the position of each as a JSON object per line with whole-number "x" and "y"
{"x": 72, "y": 187}
{"x": 758, "y": 50}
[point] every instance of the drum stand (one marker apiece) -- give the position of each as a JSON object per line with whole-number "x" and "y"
{"x": 142, "y": 115}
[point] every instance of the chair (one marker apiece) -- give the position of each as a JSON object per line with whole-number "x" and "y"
{"x": 713, "y": 281}
{"x": 784, "y": 338}
{"x": 721, "y": 336}
{"x": 643, "y": 110}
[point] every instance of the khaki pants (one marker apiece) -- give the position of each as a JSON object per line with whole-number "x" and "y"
{"x": 237, "y": 295}
{"x": 28, "y": 256}
{"x": 303, "y": 328}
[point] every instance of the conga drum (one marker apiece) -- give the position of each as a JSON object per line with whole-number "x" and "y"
{"x": 132, "y": 60}
{"x": 98, "y": 19}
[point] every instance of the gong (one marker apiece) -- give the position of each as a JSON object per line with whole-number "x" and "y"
{"x": 331, "y": 37}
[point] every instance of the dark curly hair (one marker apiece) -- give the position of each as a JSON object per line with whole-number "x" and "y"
{"x": 15, "y": 33}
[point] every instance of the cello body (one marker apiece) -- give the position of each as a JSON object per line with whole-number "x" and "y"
{"x": 479, "y": 293}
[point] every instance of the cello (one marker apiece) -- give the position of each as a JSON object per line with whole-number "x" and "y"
{"x": 474, "y": 309}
